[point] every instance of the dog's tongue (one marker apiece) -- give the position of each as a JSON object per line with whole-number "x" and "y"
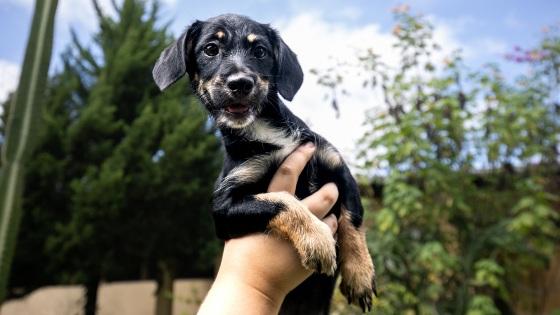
{"x": 237, "y": 108}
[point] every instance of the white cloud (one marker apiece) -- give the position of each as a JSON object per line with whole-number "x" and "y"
{"x": 80, "y": 13}
{"x": 319, "y": 44}
{"x": 9, "y": 77}
{"x": 447, "y": 34}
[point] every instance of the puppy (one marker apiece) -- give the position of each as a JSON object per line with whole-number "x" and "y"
{"x": 237, "y": 67}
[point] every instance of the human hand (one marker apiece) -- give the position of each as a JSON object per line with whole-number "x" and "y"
{"x": 261, "y": 269}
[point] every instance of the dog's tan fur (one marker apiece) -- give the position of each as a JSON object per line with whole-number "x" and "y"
{"x": 263, "y": 84}
{"x": 312, "y": 238}
{"x": 330, "y": 156}
{"x": 356, "y": 265}
{"x": 251, "y": 38}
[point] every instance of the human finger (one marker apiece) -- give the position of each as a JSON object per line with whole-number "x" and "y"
{"x": 286, "y": 177}
{"x": 321, "y": 202}
{"x": 332, "y": 222}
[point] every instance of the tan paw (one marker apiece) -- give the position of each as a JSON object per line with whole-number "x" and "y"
{"x": 356, "y": 267}
{"x": 317, "y": 249}
{"x": 359, "y": 291}
{"x": 311, "y": 237}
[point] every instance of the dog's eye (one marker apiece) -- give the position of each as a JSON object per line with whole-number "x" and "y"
{"x": 259, "y": 52}
{"x": 211, "y": 50}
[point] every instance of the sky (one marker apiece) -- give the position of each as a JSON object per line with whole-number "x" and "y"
{"x": 321, "y": 33}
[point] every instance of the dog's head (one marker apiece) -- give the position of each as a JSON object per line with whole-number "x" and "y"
{"x": 234, "y": 64}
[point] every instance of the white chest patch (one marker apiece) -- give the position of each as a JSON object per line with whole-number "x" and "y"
{"x": 288, "y": 141}
{"x": 255, "y": 167}
{"x": 262, "y": 131}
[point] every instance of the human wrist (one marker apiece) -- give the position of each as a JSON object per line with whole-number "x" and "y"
{"x": 264, "y": 263}
{"x": 255, "y": 288}
{"x": 230, "y": 288}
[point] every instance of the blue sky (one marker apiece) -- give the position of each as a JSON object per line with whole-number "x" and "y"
{"x": 317, "y": 30}
{"x": 509, "y": 22}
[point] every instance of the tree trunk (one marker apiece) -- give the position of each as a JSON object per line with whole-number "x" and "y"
{"x": 91, "y": 295}
{"x": 144, "y": 270}
{"x": 164, "y": 303}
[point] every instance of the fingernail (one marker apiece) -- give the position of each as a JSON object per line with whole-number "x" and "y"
{"x": 310, "y": 145}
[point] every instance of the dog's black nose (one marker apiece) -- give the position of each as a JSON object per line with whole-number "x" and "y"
{"x": 241, "y": 86}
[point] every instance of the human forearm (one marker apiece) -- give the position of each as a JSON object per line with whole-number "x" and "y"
{"x": 248, "y": 281}
{"x": 231, "y": 295}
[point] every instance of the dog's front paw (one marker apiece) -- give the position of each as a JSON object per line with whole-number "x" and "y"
{"x": 311, "y": 237}
{"x": 317, "y": 250}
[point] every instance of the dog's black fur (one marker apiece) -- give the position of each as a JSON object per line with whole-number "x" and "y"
{"x": 237, "y": 67}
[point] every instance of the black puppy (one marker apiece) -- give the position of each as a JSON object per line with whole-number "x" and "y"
{"x": 237, "y": 67}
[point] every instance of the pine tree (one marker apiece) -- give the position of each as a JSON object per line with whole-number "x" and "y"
{"x": 124, "y": 173}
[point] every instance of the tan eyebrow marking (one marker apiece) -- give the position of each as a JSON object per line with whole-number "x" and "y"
{"x": 220, "y": 34}
{"x": 251, "y": 37}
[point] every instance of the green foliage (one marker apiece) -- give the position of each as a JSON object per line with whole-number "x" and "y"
{"x": 482, "y": 305}
{"x": 467, "y": 159}
{"x": 23, "y": 115}
{"x": 122, "y": 178}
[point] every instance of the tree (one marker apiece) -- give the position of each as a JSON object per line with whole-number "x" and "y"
{"x": 466, "y": 210}
{"x": 130, "y": 169}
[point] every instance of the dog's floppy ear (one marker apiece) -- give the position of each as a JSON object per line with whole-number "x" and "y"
{"x": 289, "y": 73}
{"x": 177, "y": 59}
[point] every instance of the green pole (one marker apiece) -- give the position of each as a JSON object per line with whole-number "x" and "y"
{"x": 23, "y": 117}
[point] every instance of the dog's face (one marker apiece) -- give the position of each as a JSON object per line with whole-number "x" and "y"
{"x": 234, "y": 64}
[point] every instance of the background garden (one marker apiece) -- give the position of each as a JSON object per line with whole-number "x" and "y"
{"x": 459, "y": 168}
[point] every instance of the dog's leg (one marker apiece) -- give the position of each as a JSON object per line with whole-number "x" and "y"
{"x": 286, "y": 217}
{"x": 356, "y": 266}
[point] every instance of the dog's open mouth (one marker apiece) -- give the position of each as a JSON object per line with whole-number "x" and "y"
{"x": 237, "y": 109}
{"x": 236, "y": 115}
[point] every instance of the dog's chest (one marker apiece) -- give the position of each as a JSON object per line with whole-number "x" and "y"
{"x": 264, "y": 132}
{"x": 264, "y": 147}
{"x": 281, "y": 142}
{"x": 257, "y": 152}
{"x": 286, "y": 141}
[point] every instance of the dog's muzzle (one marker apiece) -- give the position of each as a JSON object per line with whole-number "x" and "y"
{"x": 240, "y": 87}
